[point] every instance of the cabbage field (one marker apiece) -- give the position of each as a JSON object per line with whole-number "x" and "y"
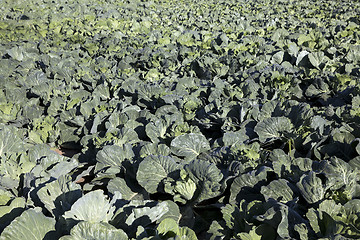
{"x": 207, "y": 119}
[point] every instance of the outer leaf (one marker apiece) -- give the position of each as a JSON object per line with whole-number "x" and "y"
{"x": 278, "y": 57}
{"x": 154, "y": 149}
{"x": 293, "y": 49}
{"x": 318, "y": 123}
{"x": 122, "y": 136}
{"x": 5, "y": 197}
{"x": 216, "y": 231}
{"x": 321, "y": 223}
{"x": 281, "y": 162}
{"x": 332, "y": 218}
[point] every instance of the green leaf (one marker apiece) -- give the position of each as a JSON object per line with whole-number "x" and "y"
{"x": 280, "y": 190}
{"x": 302, "y": 58}
{"x": 322, "y": 221}
{"x": 113, "y": 156}
{"x": 302, "y": 230}
{"x": 10, "y": 212}
{"x": 67, "y": 136}
{"x": 139, "y": 213}
{"x": 154, "y": 149}
{"x": 233, "y": 138}
{"x": 234, "y": 218}
{"x": 316, "y": 58}
{"x": 318, "y": 123}
{"x": 282, "y": 218}
{"x": 303, "y": 38}
{"x": 16, "y": 53}
{"x": 349, "y": 215}
{"x": 168, "y": 227}
{"x": 5, "y": 197}
{"x": 293, "y": 49}
{"x": 331, "y": 218}
{"x": 121, "y": 136}
{"x": 173, "y": 212}
{"x": 339, "y": 173}
{"x": 156, "y": 130}
{"x": 207, "y": 178}
{"x": 92, "y": 207}
{"x": 189, "y": 145}
{"x": 10, "y": 141}
{"x": 355, "y": 107}
{"x": 311, "y": 187}
{"x": 187, "y": 233}
{"x": 153, "y": 169}
{"x": 59, "y": 195}
{"x": 98, "y": 231}
{"x": 216, "y": 230}
{"x": 186, "y": 188}
{"x": 272, "y": 128}
{"x": 126, "y": 189}
{"x": 258, "y": 233}
{"x": 32, "y": 225}
{"x": 281, "y": 162}
{"x": 278, "y": 57}
{"x": 244, "y": 185}
{"x": 353, "y": 54}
